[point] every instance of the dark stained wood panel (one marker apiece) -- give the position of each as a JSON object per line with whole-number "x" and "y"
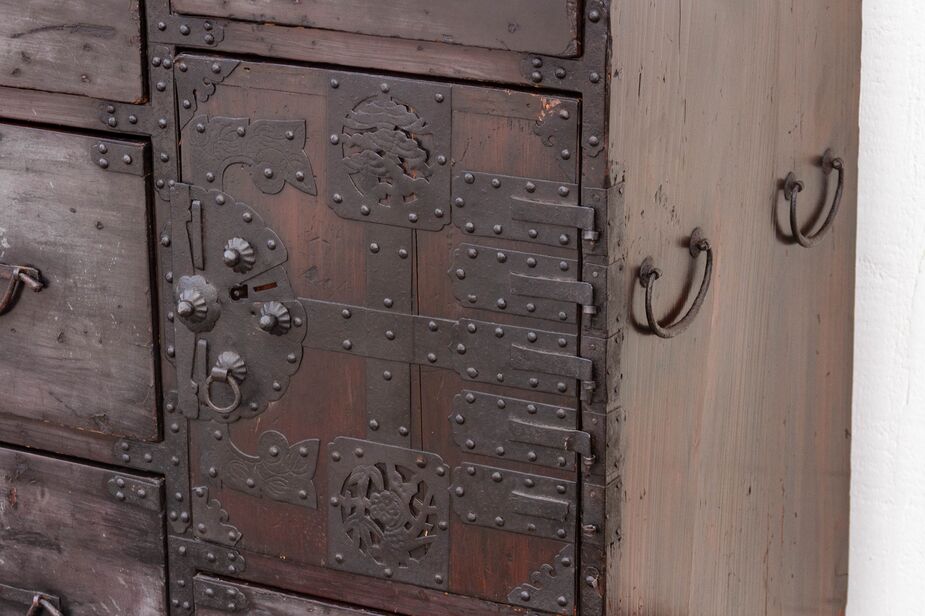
{"x": 63, "y": 533}
{"x": 80, "y": 353}
{"x": 89, "y": 47}
{"x": 730, "y": 480}
{"x": 538, "y": 26}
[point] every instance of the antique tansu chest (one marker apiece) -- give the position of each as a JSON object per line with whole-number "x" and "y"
{"x": 426, "y": 307}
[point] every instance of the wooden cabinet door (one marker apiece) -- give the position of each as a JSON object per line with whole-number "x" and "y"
{"x": 378, "y": 327}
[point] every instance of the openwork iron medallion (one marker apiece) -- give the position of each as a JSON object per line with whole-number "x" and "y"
{"x": 389, "y": 512}
{"x": 388, "y": 160}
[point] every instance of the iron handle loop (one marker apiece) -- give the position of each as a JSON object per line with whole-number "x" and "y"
{"x": 41, "y": 605}
{"x": 222, "y": 376}
{"x": 648, "y": 274}
{"x": 18, "y": 275}
{"x": 793, "y": 187}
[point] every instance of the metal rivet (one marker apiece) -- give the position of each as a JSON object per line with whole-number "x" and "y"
{"x": 347, "y": 345}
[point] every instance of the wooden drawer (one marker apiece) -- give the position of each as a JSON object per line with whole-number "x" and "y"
{"x": 80, "y": 353}
{"x": 538, "y": 26}
{"x": 89, "y": 47}
{"x": 218, "y": 597}
{"x": 89, "y": 538}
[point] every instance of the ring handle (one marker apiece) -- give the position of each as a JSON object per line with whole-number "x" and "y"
{"x": 230, "y": 369}
{"x": 18, "y": 275}
{"x": 41, "y": 605}
{"x": 235, "y": 389}
{"x": 793, "y": 187}
{"x": 648, "y": 274}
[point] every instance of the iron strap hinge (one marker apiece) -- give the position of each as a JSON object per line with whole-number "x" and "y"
{"x": 574, "y": 291}
{"x": 524, "y": 209}
{"x": 578, "y": 216}
{"x": 521, "y": 430}
{"x": 479, "y": 351}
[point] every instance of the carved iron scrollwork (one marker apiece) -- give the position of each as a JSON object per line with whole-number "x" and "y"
{"x": 390, "y": 512}
{"x": 212, "y": 522}
{"x": 196, "y": 79}
{"x": 388, "y": 157}
{"x": 272, "y": 149}
{"x": 552, "y": 587}
{"x": 278, "y": 471}
{"x": 238, "y": 330}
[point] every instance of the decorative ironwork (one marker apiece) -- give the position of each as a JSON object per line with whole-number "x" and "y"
{"x": 523, "y": 209}
{"x": 222, "y": 309}
{"x": 196, "y": 80}
{"x": 521, "y": 283}
{"x": 515, "y": 502}
{"x": 186, "y": 557}
{"x": 211, "y": 520}
{"x": 390, "y": 512}
{"x": 278, "y": 471}
{"x": 479, "y": 351}
{"x": 551, "y": 587}
{"x": 144, "y": 493}
{"x": 388, "y": 160}
{"x": 272, "y": 149}
{"x": 218, "y": 595}
{"x": 119, "y": 156}
{"x": 512, "y": 429}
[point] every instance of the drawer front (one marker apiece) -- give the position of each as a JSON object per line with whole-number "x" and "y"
{"x": 80, "y": 353}
{"x": 219, "y": 597}
{"x": 88, "y": 538}
{"x": 539, "y": 26}
{"x": 89, "y": 47}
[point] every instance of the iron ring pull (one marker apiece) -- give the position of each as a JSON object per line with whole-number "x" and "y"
{"x": 222, "y": 375}
{"x": 18, "y": 275}
{"x": 793, "y": 187}
{"x": 41, "y": 605}
{"x": 648, "y": 274}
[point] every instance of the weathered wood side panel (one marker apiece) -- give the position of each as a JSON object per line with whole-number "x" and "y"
{"x": 538, "y": 26}
{"x": 89, "y": 47}
{"x": 63, "y": 533}
{"x": 732, "y": 477}
{"x": 80, "y": 353}
{"x": 262, "y": 601}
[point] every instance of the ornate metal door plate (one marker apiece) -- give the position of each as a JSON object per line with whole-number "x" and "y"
{"x": 389, "y": 512}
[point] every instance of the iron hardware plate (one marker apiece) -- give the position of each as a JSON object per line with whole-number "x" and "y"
{"x": 144, "y": 493}
{"x": 515, "y": 208}
{"x": 479, "y": 351}
{"x": 219, "y": 595}
{"x": 220, "y": 305}
{"x": 119, "y": 156}
{"x": 389, "y": 515}
{"x": 186, "y": 557}
{"x": 196, "y": 79}
{"x": 212, "y": 523}
{"x": 272, "y": 149}
{"x": 551, "y": 587}
{"x": 515, "y": 502}
{"x": 521, "y": 283}
{"x": 512, "y": 429}
{"x": 278, "y": 471}
{"x": 389, "y": 147}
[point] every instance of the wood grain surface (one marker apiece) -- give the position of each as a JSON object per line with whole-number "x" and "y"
{"x": 89, "y": 47}
{"x": 730, "y": 480}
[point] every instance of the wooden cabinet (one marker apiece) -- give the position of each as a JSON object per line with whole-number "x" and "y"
{"x": 453, "y": 309}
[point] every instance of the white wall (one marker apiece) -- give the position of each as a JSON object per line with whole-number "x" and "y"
{"x": 887, "y": 568}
